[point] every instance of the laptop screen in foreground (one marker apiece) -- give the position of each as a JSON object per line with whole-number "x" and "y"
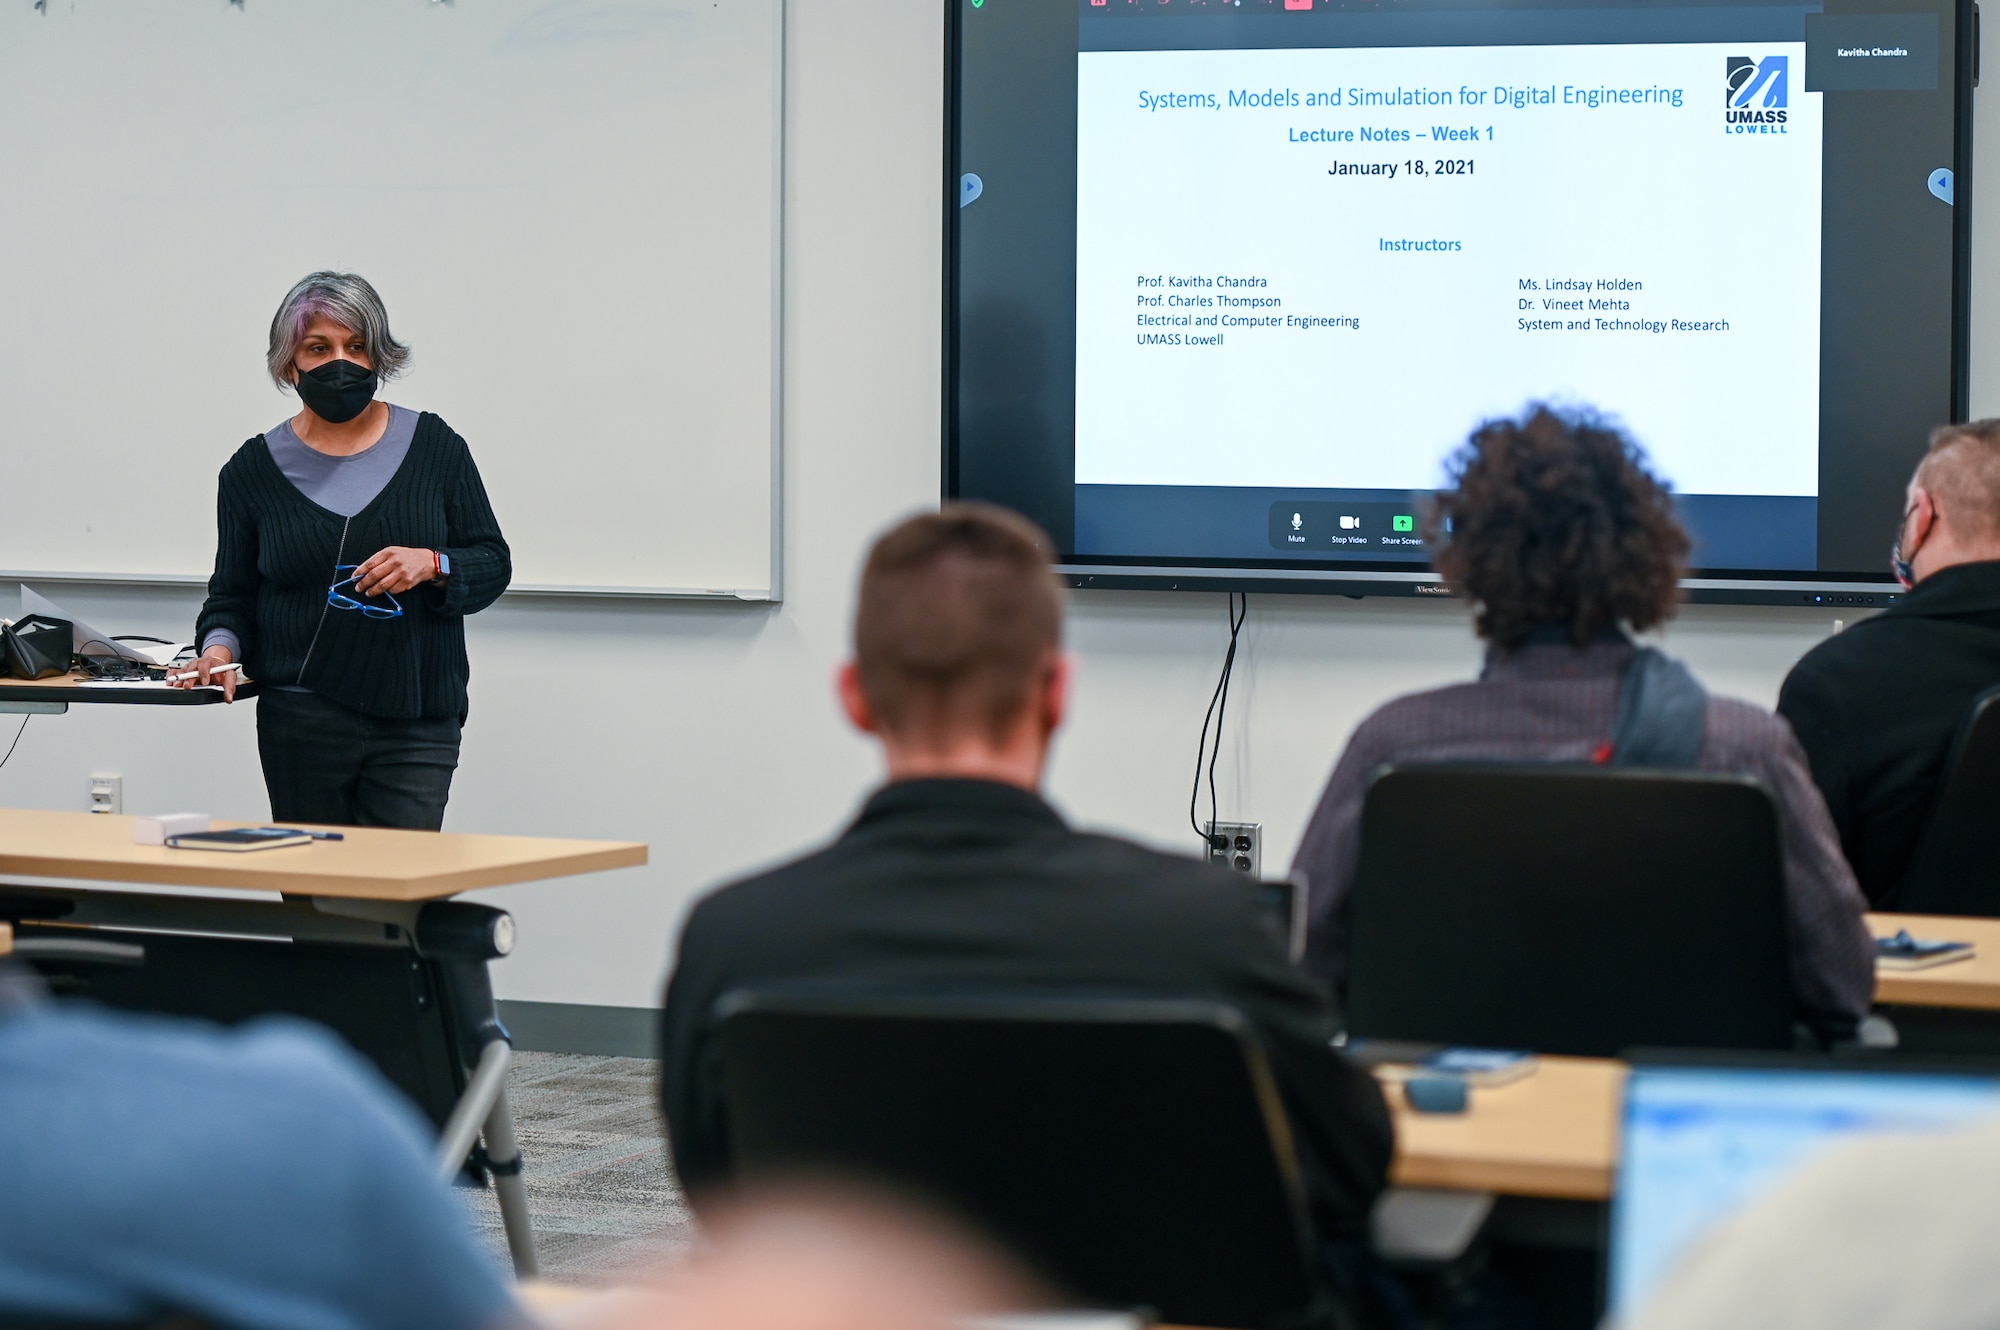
{"x": 1699, "y": 1144}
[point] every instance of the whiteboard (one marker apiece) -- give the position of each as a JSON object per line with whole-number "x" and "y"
{"x": 571, "y": 209}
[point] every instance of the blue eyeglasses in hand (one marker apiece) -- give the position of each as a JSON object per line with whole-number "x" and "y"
{"x": 341, "y": 601}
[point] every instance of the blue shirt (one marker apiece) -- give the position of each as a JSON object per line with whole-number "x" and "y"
{"x": 258, "y": 1177}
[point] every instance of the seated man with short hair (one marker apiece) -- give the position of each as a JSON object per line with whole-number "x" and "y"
{"x": 262, "y": 1176}
{"x": 1562, "y": 540}
{"x": 1878, "y": 706}
{"x": 956, "y": 871}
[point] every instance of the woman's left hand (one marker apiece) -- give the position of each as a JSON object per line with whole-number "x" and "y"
{"x": 395, "y": 569}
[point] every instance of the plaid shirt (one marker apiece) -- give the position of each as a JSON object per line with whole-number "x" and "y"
{"x": 1557, "y": 703}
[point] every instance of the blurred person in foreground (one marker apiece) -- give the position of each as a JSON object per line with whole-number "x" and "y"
{"x": 1878, "y": 706}
{"x": 811, "y": 1259}
{"x": 957, "y": 872}
{"x": 153, "y": 1168}
{"x": 1565, "y": 543}
{"x": 1891, "y": 1231}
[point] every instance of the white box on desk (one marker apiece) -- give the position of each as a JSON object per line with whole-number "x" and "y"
{"x": 155, "y": 830}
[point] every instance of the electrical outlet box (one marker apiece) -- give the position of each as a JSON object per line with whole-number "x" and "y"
{"x": 107, "y": 792}
{"x": 1242, "y": 848}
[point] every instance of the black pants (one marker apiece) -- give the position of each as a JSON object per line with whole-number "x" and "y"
{"x": 324, "y": 762}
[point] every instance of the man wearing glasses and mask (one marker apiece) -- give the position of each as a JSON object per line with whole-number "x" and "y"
{"x": 1877, "y": 707}
{"x": 352, "y": 541}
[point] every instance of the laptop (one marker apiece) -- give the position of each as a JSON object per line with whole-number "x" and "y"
{"x": 1700, "y": 1143}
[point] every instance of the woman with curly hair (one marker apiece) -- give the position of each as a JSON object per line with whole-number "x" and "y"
{"x": 1564, "y": 542}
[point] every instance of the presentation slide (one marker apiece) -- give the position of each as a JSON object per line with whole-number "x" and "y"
{"x": 1320, "y": 268}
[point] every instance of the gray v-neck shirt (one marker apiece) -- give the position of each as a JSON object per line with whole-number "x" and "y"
{"x": 343, "y": 485}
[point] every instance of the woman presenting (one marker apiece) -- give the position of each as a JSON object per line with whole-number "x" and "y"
{"x": 352, "y": 540}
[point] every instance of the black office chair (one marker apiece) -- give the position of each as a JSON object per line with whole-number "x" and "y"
{"x": 1576, "y": 910}
{"x": 1956, "y": 868}
{"x": 1135, "y": 1152}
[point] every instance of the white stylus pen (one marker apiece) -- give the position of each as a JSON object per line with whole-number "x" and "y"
{"x": 196, "y": 674}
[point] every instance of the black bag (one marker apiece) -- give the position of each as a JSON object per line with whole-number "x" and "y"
{"x": 36, "y": 646}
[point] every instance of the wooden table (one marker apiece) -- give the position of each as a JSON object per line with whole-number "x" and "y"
{"x": 1553, "y": 1134}
{"x": 372, "y": 947}
{"x": 52, "y": 696}
{"x": 370, "y": 863}
{"x": 1972, "y": 985}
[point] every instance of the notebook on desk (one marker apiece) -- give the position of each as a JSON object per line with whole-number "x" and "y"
{"x": 1903, "y": 952}
{"x": 240, "y": 840}
{"x": 1700, "y": 1143}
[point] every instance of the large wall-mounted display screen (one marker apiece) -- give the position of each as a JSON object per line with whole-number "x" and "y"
{"x": 1228, "y": 279}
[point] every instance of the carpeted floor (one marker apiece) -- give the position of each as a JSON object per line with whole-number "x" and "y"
{"x": 603, "y": 1199}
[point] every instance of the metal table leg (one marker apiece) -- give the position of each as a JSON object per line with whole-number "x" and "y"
{"x": 503, "y": 1157}
{"x": 489, "y": 1082}
{"x": 483, "y": 1109}
{"x": 459, "y": 938}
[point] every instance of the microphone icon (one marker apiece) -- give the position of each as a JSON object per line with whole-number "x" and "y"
{"x": 1297, "y": 521}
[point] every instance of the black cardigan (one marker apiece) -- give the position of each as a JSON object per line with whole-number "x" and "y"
{"x": 274, "y": 559}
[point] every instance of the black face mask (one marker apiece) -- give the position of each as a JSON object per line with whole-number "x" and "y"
{"x": 337, "y": 391}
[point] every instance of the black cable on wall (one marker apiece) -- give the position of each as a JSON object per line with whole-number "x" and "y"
{"x": 1218, "y": 707}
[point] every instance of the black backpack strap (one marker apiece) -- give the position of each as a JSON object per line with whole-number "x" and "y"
{"x": 1662, "y": 713}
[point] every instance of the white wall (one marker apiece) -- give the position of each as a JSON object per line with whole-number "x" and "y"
{"x": 708, "y": 731}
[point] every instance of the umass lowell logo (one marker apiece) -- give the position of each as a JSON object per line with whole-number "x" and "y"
{"x": 1755, "y": 94}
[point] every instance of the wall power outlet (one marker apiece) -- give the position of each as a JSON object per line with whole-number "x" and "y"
{"x": 107, "y": 792}
{"x": 1242, "y": 846}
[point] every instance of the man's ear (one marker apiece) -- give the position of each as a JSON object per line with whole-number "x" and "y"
{"x": 1924, "y": 517}
{"x": 1055, "y": 691}
{"x": 853, "y": 700}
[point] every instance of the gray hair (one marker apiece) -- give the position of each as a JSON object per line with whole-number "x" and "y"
{"x": 1962, "y": 473}
{"x": 348, "y": 300}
